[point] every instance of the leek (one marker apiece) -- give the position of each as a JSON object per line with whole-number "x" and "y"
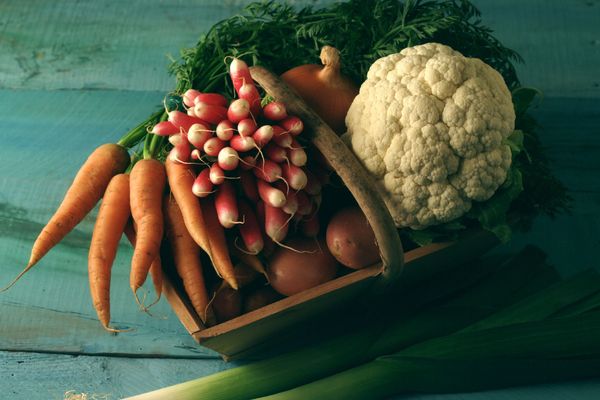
{"x": 523, "y": 353}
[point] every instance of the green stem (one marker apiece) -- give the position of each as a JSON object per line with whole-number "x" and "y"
{"x": 156, "y": 145}
{"x": 383, "y": 378}
{"x": 147, "y": 145}
{"x": 516, "y": 353}
{"x": 138, "y": 133}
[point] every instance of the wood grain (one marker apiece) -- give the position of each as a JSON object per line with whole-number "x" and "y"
{"x": 49, "y": 376}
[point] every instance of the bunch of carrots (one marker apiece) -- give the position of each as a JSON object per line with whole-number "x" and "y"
{"x": 218, "y": 149}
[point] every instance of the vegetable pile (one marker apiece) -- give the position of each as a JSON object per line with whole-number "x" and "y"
{"x": 223, "y": 175}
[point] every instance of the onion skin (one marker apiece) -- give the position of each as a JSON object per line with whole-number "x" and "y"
{"x": 292, "y": 272}
{"x": 351, "y": 240}
{"x": 324, "y": 88}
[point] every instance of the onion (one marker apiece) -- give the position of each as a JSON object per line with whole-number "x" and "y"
{"x": 324, "y": 88}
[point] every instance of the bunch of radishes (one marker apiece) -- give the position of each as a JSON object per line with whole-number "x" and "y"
{"x": 249, "y": 157}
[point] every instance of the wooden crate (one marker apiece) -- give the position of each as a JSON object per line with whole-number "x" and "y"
{"x": 251, "y": 333}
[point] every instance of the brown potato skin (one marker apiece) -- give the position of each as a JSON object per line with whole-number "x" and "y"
{"x": 227, "y": 303}
{"x": 259, "y": 298}
{"x": 351, "y": 240}
{"x": 291, "y": 272}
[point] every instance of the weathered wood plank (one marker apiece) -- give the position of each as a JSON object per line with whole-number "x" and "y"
{"x": 35, "y": 328}
{"x": 559, "y": 41}
{"x": 49, "y": 376}
{"x": 570, "y": 132}
{"x": 98, "y": 45}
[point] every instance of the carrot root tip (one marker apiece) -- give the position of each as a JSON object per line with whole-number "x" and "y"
{"x": 12, "y": 283}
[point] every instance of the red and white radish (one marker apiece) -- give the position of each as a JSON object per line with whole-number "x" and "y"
{"x": 268, "y": 171}
{"x": 275, "y": 153}
{"x": 239, "y": 73}
{"x": 249, "y": 93}
{"x": 213, "y": 146}
{"x": 294, "y": 176}
{"x": 263, "y": 135}
{"x": 181, "y": 152}
{"x": 246, "y": 127}
{"x": 275, "y": 111}
{"x": 244, "y": 85}
{"x": 210, "y": 113}
{"x": 225, "y": 130}
{"x": 165, "y": 128}
{"x": 270, "y": 195}
{"x": 242, "y": 143}
{"x": 248, "y": 184}
{"x": 189, "y": 96}
{"x": 196, "y": 155}
{"x": 177, "y": 138}
{"x": 202, "y": 186}
{"x": 216, "y": 174}
{"x": 283, "y": 140}
{"x": 238, "y": 110}
{"x": 228, "y": 159}
{"x": 276, "y": 223}
{"x": 296, "y": 154}
{"x": 291, "y": 204}
{"x": 215, "y": 99}
{"x": 198, "y": 134}
{"x": 182, "y": 120}
{"x": 293, "y": 125}
{"x": 226, "y": 205}
{"x": 250, "y": 230}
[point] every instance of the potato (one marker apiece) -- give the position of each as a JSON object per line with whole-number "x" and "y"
{"x": 227, "y": 303}
{"x": 351, "y": 240}
{"x": 260, "y": 297}
{"x": 311, "y": 264}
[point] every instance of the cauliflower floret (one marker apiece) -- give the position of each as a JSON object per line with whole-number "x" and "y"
{"x": 429, "y": 124}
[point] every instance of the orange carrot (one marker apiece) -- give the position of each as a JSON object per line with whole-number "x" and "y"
{"x": 218, "y": 244}
{"x": 156, "y": 272}
{"x": 110, "y": 223}
{"x": 157, "y": 278}
{"x": 146, "y": 191}
{"x": 186, "y": 257}
{"x": 198, "y": 219}
{"x": 181, "y": 178}
{"x": 87, "y": 188}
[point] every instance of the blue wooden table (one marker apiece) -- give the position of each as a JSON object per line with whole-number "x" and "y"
{"x": 74, "y": 74}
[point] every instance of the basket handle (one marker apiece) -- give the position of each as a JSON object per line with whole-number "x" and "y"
{"x": 347, "y": 166}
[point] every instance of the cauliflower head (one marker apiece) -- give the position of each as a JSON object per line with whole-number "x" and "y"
{"x": 429, "y": 124}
